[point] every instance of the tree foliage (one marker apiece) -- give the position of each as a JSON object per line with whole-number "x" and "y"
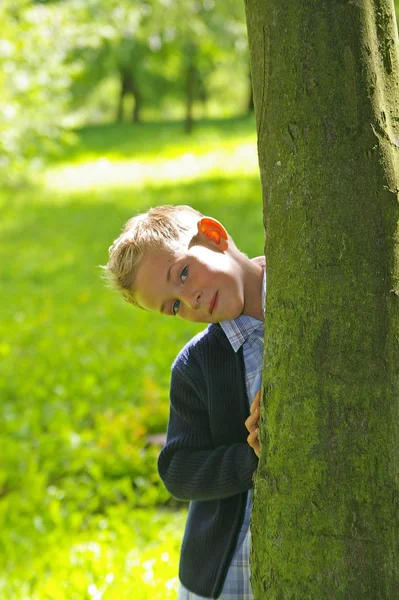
{"x": 34, "y": 80}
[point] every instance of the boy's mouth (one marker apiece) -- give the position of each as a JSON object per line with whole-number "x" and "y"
{"x": 213, "y": 303}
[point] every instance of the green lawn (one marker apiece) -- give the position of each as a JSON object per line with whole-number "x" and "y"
{"x": 83, "y": 377}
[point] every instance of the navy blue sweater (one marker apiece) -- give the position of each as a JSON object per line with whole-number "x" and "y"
{"x": 206, "y": 458}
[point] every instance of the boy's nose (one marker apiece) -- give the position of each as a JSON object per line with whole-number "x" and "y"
{"x": 191, "y": 298}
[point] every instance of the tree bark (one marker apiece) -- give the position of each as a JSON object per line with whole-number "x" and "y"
{"x": 325, "y": 521}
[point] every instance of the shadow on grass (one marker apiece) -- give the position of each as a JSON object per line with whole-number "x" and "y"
{"x": 127, "y": 140}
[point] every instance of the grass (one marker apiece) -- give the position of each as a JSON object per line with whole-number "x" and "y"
{"x": 150, "y": 140}
{"x": 83, "y": 377}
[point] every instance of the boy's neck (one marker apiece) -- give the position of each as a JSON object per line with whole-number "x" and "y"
{"x": 253, "y": 284}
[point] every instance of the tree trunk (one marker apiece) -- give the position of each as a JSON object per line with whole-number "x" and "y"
{"x": 121, "y": 98}
{"x": 128, "y": 85}
{"x": 190, "y": 91}
{"x": 138, "y": 99}
{"x": 325, "y": 522}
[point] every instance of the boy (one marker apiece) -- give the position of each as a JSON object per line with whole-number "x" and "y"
{"x": 175, "y": 261}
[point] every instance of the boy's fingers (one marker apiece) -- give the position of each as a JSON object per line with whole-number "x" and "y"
{"x": 253, "y": 437}
{"x": 251, "y": 424}
{"x": 256, "y": 402}
{"x": 253, "y": 441}
{"x": 256, "y": 399}
{"x": 252, "y": 421}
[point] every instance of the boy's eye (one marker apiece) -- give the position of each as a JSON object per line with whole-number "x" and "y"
{"x": 175, "y": 307}
{"x": 184, "y": 274}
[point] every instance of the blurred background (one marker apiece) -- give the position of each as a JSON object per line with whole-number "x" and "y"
{"x": 107, "y": 108}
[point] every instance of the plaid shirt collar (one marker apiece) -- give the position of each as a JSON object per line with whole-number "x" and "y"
{"x": 239, "y": 330}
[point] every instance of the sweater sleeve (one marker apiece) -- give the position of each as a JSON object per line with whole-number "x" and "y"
{"x": 190, "y": 465}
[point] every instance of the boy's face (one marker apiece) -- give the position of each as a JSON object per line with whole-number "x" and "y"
{"x": 202, "y": 283}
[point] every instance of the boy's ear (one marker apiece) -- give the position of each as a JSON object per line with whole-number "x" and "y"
{"x": 211, "y": 230}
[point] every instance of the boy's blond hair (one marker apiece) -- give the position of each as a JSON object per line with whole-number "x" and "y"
{"x": 164, "y": 227}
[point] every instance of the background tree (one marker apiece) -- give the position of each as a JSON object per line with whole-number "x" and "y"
{"x": 67, "y": 62}
{"x": 326, "y": 90}
{"x": 156, "y": 55}
{"x": 207, "y": 38}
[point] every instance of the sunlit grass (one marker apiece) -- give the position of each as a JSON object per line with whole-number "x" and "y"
{"x": 117, "y": 156}
{"x": 133, "y": 556}
{"x": 165, "y": 140}
{"x": 105, "y": 173}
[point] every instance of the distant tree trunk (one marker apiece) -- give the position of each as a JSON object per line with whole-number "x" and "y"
{"x": 325, "y": 522}
{"x": 128, "y": 85}
{"x": 190, "y": 86}
{"x": 138, "y": 99}
{"x": 122, "y": 94}
{"x": 203, "y": 96}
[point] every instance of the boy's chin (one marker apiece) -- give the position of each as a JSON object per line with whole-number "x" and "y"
{"x": 230, "y": 316}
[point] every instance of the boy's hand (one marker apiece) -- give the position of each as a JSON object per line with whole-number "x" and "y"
{"x": 252, "y": 424}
